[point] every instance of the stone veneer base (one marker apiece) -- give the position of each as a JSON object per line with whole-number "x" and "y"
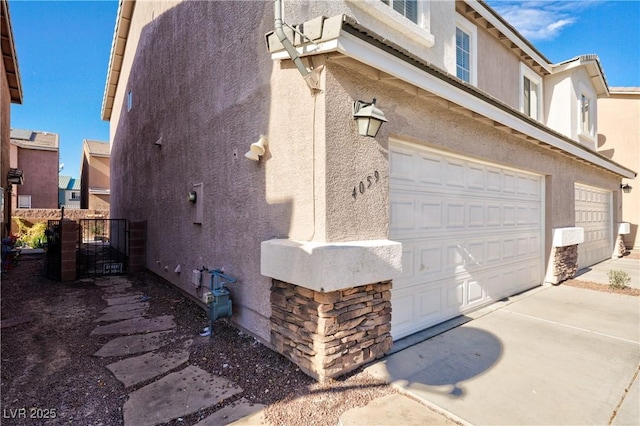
{"x": 330, "y": 334}
{"x": 565, "y": 263}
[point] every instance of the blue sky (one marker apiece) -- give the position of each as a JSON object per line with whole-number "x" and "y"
{"x": 63, "y": 53}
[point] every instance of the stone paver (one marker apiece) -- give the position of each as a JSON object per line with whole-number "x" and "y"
{"x": 239, "y": 413}
{"x": 110, "y": 281}
{"x": 119, "y": 288}
{"x": 394, "y": 409}
{"x": 137, "y": 325}
{"x": 176, "y": 395}
{"x": 135, "y": 344}
{"x": 121, "y": 315}
{"x": 123, "y": 300}
{"x": 138, "y": 369}
{"x": 125, "y": 307}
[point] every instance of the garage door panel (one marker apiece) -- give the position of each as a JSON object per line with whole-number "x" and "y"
{"x": 593, "y": 213}
{"x": 472, "y": 230}
{"x": 413, "y": 215}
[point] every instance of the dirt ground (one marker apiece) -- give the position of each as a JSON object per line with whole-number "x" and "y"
{"x": 49, "y": 375}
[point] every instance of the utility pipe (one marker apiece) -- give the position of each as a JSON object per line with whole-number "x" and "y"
{"x": 282, "y": 37}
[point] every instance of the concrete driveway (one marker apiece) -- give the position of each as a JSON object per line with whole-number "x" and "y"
{"x": 554, "y": 355}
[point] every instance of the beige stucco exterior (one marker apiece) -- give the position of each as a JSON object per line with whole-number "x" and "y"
{"x": 95, "y": 174}
{"x": 202, "y": 93}
{"x": 619, "y": 139}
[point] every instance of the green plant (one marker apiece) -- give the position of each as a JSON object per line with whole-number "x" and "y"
{"x": 618, "y": 279}
{"x": 31, "y": 235}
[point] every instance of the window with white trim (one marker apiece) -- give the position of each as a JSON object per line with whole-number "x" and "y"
{"x": 466, "y": 48}
{"x": 407, "y": 8}
{"x": 530, "y": 93}
{"x": 75, "y": 195}
{"x": 586, "y": 108}
{"x": 24, "y": 201}
{"x": 404, "y": 18}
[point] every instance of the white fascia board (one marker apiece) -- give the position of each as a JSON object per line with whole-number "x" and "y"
{"x": 509, "y": 33}
{"x": 366, "y": 53}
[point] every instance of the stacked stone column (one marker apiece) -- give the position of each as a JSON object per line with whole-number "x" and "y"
{"x": 565, "y": 262}
{"x": 330, "y": 334}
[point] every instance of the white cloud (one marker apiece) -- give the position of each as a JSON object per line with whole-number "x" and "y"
{"x": 541, "y": 20}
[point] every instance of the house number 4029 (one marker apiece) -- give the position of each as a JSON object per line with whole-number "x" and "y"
{"x": 363, "y": 185}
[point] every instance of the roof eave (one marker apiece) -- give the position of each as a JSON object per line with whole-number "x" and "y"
{"x": 10, "y": 57}
{"x": 118, "y": 45}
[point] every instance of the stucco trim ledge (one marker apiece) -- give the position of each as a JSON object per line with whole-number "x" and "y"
{"x": 326, "y": 267}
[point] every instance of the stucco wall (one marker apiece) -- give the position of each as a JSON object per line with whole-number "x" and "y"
{"x": 40, "y": 170}
{"x": 203, "y": 89}
{"x": 562, "y": 92}
{"x": 98, "y": 172}
{"x": 498, "y": 69}
{"x": 619, "y": 139}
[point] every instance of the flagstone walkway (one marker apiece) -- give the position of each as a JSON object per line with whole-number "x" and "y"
{"x": 173, "y": 388}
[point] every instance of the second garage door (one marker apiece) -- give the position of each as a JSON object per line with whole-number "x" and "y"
{"x": 471, "y": 234}
{"x": 593, "y": 213}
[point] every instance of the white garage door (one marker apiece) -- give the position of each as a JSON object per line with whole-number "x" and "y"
{"x": 471, "y": 234}
{"x": 593, "y": 213}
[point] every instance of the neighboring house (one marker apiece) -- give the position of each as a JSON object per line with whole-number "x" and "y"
{"x": 483, "y": 182}
{"x": 69, "y": 192}
{"x": 619, "y": 139}
{"x": 94, "y": 175}
{"x": 36, "y": 154}
{"x": 11, "y": 93}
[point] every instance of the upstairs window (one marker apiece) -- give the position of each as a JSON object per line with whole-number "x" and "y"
{"x": 530, "y": 93}
{"x": 407, "y": 8}
{"x": 463, "y": 55}
{"x": 466, "y": 50}
{"x": 585, "y": 115}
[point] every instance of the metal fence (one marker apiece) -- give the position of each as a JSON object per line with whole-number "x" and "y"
{"x": 103, "y": 247}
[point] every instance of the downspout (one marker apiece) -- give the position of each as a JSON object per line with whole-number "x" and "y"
{"x": 311, "y": 78}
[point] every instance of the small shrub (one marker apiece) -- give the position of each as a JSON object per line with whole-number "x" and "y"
{"x": 32, "y": 236}
{"x": 618, "y": 279}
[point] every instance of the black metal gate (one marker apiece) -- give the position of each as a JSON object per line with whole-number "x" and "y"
{"x": 54, "y": 249}
{"x": 103, "y": 247}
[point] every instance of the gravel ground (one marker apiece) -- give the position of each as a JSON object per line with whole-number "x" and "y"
{"x": 48, "y": 369}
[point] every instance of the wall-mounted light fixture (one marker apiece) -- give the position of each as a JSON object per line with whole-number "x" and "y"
{"x": 626, "y": 188}
{"x": 257, "y": 149}
{"x": 369, "y": 117}
{"x": 192, "y": 196}
{"x": 15, "y": 176}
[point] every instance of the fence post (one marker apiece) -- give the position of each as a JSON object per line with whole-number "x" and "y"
{"x": 137, "y": 246}
{"x": 68, "y": 242}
